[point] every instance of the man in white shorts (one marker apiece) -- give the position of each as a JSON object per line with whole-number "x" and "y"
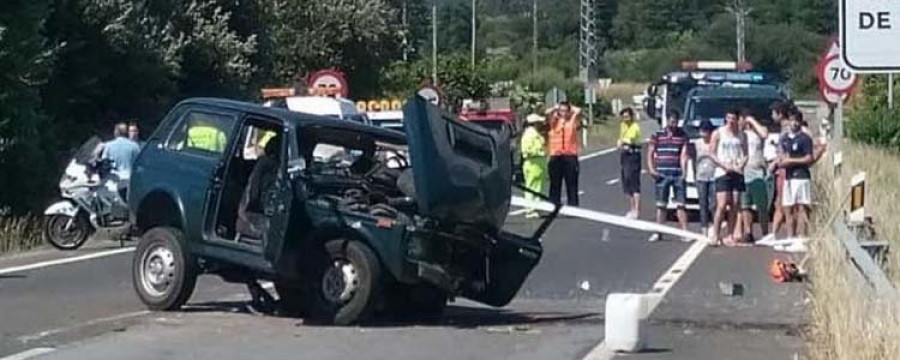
{"x": 796, "y": 158}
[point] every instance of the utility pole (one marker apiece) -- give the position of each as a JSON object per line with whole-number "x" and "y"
{"x": 434, "y": 79}
{"x": 405, "y": 31}
{"x": 587, "y": 57}
{"x": 587, "y": 46}
{"x": 534, "y": 38}
{"x": 474, "y": 7}
{"x": 740, "y": 10}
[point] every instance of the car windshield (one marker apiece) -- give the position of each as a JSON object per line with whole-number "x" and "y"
{"x": 714, "y": 109}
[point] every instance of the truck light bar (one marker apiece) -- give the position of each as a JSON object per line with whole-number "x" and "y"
{"x": 717, "y": 65}
{"x": 278, "y": 93}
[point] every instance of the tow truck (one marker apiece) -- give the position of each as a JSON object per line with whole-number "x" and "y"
{"x": 706, "y": 90}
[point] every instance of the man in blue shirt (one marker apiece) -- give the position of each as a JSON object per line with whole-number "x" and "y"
{"x": 123, "y": 152}
{"x": 796, "y": 158}
{"x": 667, "y": 159}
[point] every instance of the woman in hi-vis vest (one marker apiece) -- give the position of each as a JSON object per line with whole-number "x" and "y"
{"x": 565, "y": 122}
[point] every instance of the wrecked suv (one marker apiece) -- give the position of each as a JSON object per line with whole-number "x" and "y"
{"x": 345, "y": 219}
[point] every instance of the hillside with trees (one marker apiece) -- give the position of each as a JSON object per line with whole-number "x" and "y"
{"x": 72, "y": 68}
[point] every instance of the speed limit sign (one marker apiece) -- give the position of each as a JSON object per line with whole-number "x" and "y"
{"x": 836, "y": 80}
{"x": 838, "y": 77}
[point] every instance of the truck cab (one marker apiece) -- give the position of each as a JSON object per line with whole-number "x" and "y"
{"x": 672, "y": 91}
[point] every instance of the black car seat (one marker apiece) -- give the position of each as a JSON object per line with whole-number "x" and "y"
{"x": 252, "y": 221}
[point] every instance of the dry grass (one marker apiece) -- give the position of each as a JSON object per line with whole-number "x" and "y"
{"x": 848, "y": 323}
{"x": 623, "y": 90}
{"x": 19, "y": 233}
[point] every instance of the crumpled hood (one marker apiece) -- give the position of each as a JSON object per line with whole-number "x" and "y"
{"x": 462, "y": 172}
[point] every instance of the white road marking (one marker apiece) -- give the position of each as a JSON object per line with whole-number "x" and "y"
{"x": 612, "y": 181}
{"x": 658, "y": 292}
{"x": 30, "y": 353}
{"x": 46, "y": 333}
{"x": 63, "y": 261}
{"x": 518, "y": 212}
{"x": 582, "y": 158}
{"x": 598, "y": 153}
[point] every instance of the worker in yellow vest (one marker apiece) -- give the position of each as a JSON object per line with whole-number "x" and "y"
{"x": 206, "y": 137}
{"x": 534, "y": 159}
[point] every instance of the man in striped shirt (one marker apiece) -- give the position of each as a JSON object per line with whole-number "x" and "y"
{"x": 666, "y": 161}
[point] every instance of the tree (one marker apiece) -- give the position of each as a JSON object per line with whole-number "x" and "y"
{"x": 356, "y": 36}
{"x": 25, "y": 59}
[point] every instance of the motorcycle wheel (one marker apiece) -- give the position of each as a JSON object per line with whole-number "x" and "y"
{"x": 66, "y": 232}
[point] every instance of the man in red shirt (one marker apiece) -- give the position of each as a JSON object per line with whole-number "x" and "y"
{"x": 565, "y": 122}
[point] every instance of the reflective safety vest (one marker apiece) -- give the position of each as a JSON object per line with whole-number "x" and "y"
{"x": 533, "y": 144}
{"x": 207, "y": 138}
{"x": 563, "y": 136}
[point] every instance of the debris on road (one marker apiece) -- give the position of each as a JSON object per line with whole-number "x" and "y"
{"x": 731, "y": 289}
{"x": 585, "y": 285}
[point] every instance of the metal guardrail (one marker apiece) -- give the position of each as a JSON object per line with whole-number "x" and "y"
{"x": 867, "y": 267}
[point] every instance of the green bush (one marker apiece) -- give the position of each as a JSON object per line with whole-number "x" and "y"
{"x": 876, "y": 126}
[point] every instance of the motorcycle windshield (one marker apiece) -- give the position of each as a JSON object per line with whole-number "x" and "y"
{"x": 462, "y": 172}
{"x": 85, "y": 152}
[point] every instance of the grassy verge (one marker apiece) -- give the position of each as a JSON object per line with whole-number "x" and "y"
{"x": 602, "y": 135}
{"x": 19, "y": 233}
{"x": 846, "y": 322}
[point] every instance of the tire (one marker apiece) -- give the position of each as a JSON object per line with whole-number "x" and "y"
{"x": 57, "y": 235}
{"x": 330, "y": 274}
{"x": 163, "y": 272}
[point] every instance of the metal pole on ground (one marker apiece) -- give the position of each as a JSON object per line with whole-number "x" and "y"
{"x": 838, "y": 138}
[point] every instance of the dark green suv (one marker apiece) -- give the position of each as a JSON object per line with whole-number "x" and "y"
{"x": 345, "y": 219}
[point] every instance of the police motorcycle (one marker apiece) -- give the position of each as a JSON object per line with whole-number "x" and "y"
{"x": 90, "y": 200}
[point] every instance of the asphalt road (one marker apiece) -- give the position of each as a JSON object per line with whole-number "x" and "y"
{"x": 88, "y": 310}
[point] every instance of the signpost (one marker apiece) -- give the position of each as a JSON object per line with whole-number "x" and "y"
{"x": 870, "y": 32}
{"x": 836, "y": 83}
{"x": 328, "y": 82}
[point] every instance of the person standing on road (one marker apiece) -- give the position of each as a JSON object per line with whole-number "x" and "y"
{"x": 796, "y": 158}
{"x": 565, "y": 122}
{"x": 667, "y": 159}
{"x": 730, "y": 156}
{"x": 705, "y": 175}
{"x": 534, "y": 159}
{"x": 123, "y": 152}
{"x": 780, "y": 113}
{"x": 629, "y": 145}
{"x": 756, "y": 194}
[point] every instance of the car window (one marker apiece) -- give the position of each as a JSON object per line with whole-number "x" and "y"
{"x": 255, "y": 141}
{"x": 204, "y": 133}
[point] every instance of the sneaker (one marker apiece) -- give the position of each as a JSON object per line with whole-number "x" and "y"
{"x": 655, "y": 238}
{"x": 768, "y": 240}
{"x": 632, "y": 215}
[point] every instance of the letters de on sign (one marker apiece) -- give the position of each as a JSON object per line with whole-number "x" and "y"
{"x": 870, "y": 30}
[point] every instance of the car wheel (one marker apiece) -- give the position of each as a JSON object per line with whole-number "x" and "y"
{"x": 163, "y": 271}
{"x": 345, "y": 283}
